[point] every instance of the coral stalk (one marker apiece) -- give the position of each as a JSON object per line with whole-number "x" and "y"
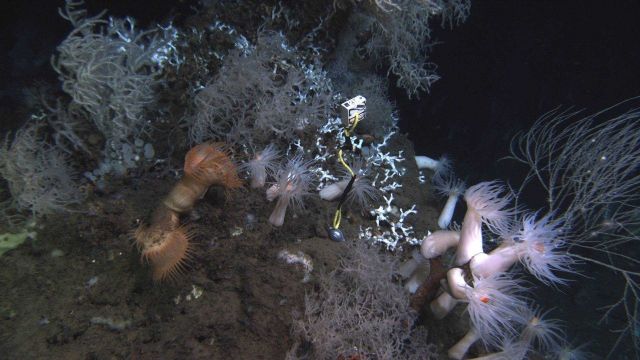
{"x": 460, "y": 349}
{"x": 438, "y": 242}
{"x": 485, "y": 204}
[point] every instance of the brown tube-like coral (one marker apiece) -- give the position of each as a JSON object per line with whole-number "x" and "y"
{"x": 165, "y": 243}
{"x": 204, "y": 165}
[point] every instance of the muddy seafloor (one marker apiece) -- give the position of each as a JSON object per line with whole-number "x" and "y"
{"x": 80, "y": 290}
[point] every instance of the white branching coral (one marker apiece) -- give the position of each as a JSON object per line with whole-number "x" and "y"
{"x": 400, "y": 36}
{"x": 39, "y": 175}
{"x": 110, "y": 69}
{"x": 262, "y": 94}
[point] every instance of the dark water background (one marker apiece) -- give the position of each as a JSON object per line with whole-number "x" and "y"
{"x": 509, "y": 63}
{"x": 513, "y": 61}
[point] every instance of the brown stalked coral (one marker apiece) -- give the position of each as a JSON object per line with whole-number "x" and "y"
{"x": 210, "y": 163}
{"x": 167, "y": 251}
{"x": 164, "y": 243}
{"x": 205, "y": 165}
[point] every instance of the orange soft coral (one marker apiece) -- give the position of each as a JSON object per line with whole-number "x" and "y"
{"x": 165, "y": 243}
{"x": 167, "y": 250}
{"x": 211, "y": 164}
{"x": 204, "y": 165}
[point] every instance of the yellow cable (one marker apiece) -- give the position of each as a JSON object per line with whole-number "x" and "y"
{"x": 338, "y": 215}
{"x": 355, "y": 123}
{"x": 337, "y": 218}
{"x": 344, "y": 163}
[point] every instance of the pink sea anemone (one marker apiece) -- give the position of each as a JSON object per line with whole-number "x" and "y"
{"x": 262, "y": 165}
{"x": 293, "y": 183}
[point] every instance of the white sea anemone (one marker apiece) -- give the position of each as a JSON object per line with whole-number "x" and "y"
{"x": 568, "y": 352}
{"x": 441, "y": 168}
{"x": 497, "y": 307}
{"x": 438, "y": 242}
{"x": 487, "y": 203}
{"x": 460, "y": 349}
{"x": 541, "y": 248}
{"x": 539, "y": 330}
{"x": 452, "y": 188}
{"x": 537, "y": 244}
{"x": 509, "y": 350}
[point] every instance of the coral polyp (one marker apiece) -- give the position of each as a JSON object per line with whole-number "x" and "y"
{"x": 211, "y": 164}
{"x": 167, "y": 250}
